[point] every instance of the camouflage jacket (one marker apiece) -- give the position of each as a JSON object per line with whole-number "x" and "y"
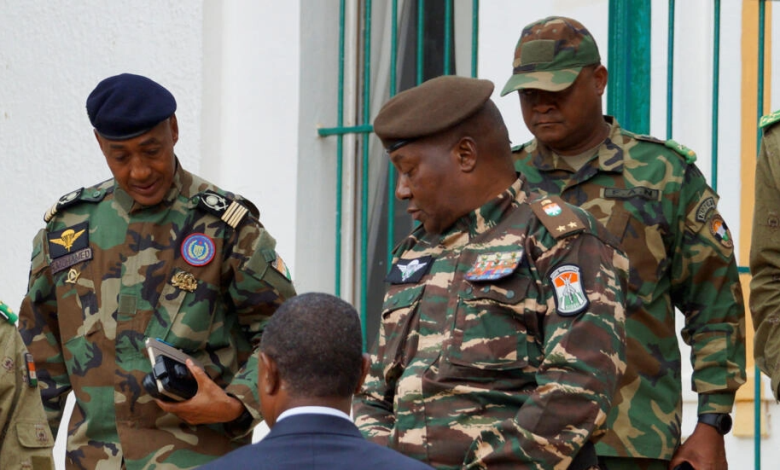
{"x": 486, "y": 356}
{"x": 765, "y": 253}
{"x": 651, "y": 196}
{"x": 25, "y": 439}
{"x": 196, "y": 271}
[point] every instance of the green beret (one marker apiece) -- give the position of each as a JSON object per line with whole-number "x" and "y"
{"x": 427, "y": 109}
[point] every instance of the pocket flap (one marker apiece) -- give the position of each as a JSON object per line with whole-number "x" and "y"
{"x": 34, "y": 435}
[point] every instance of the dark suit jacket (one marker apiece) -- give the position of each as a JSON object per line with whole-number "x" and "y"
{"x": 315, "y": 442}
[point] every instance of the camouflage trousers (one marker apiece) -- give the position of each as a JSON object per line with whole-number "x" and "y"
{"x": 625, "y": 463}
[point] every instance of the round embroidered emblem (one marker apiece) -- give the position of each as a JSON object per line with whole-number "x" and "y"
{"x": 198, "y": 249}
{"x": 720, "y": 231}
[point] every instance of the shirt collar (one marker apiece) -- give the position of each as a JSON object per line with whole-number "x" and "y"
{"x": 313, "y": 410}
{"x": 481, "y": 219}
{"x": 610, "y": 152}
{"x": 127, "y": 202}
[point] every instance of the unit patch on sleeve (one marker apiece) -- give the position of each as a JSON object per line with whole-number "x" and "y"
{"x": 492, "y": 266}
{"x": 409, "y": 271}
{"x": 570, "y": 299}
{"x": 720, "y": 231}
{"x": 707, "y": 206}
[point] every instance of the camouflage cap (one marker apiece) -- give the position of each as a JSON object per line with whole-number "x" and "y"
{"x": 430, "y": 108}
{"x": 550, "y": 55}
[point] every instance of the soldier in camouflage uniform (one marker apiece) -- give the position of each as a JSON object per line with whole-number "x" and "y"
{"x": 155, "y": 252}
{"x": 764, "y": 254}
{"x": 501, "y": 341}
{"x": 652, "y": 197}
{"x": 25, "y": 437}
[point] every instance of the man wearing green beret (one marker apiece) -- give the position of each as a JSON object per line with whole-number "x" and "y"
{"x": 764, "y": 254}
{"x": 501, "y": 341}
{"x": 153, "y": 253}
{"x": 653, "y": 198}
{"x": 25, "y": 438}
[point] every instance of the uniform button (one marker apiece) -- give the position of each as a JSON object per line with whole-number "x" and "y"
{"x": 469, "y": 290}
{"x": 96, "y": 194}
{"x": 510, "y": 294}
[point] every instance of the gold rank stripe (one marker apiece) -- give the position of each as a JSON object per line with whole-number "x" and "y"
{"x": 234, "y": 213}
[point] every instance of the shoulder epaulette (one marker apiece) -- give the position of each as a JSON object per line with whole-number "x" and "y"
{"x": 229, "y": 210}
{"x": 518, "y": 148}
{"x": 94, "y": 194}
{"x": 688, "y": 154}
{"x": 769, "y": 119}
{"x": 7, "y": 313}
{"x": 557, "y": 217}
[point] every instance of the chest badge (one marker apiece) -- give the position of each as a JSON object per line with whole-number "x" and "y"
{"x": 570, "y": 299}
{"x": 184, "y": 281}
{"x": 407, "y": 271}
{"x": 492, "y": 266}
{"x": 198, "y": 249}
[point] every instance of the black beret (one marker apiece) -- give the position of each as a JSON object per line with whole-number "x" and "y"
{"x": 125, "y": 106}
{"x": 430, "y": 108}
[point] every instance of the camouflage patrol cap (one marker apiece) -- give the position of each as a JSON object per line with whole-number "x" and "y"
{"x": 125, "y": 106}
{"x": 427, "y": 109}
{"x": 550, "y": 55}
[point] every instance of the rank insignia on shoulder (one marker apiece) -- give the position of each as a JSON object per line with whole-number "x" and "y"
{"x": 769, "y": 119}
{"x": 559, "y": 219}
{"x": 492, "y": 266}
{"x": 690, "y": 155}
{"x": 570, "y": 299}
{"x": 720, "y": 231}
{"x": 228, "y": 210}
{"x": 198, "y": 249}
{"x": 409, "y": 271}
{"x": 7, "y": 313}
{"x": 63, "y": 202}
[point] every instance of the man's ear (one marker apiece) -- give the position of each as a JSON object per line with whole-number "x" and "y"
{"x": 269, "y": 375}
{"x": 600, "y": 76}
{"x": 366, "y": 364}
{"x": 174, "y": 128}
{"x": 466, "y": 153}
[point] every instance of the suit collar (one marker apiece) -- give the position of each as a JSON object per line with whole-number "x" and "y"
{"x": 314, "y": 424}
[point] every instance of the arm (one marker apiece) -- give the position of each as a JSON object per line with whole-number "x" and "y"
{"x": 373, "y": 407}
{"x": 255, "y": 289}
{"x": 40, "y": 330}
{"x": 583, "y": 360}
{"x": 765, "y": 259}
{"x": 706, "y": 288}
{"x": 26, "y": 436}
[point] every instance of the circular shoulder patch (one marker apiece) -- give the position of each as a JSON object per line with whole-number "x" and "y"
{"x": 198, "y": 249}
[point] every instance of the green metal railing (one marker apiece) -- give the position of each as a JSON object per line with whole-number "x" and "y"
{"x": 760, "y": 112}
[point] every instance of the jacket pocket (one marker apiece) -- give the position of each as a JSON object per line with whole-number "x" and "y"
{"x": 489, "y": 332}
{"x": 398, "y": 338}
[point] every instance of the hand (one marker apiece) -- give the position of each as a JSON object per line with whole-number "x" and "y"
{"x": 210, "y": 405}
{"x": 704, "y": 449}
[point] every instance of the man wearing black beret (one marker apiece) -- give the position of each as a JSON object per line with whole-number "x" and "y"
{"x": 501, "y": 342}
{"x": 155, "y": 252}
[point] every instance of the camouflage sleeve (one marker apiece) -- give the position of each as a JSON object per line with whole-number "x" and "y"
{"x": 373, "y": 406}
{"x": 260, "y": 283}
{"x": 706, "y": 288}
{"x": 582, "y": 281}
{"x": 765, "y": 259}
{"x": 26, "y": 441}
{"x": 40, "y": 330}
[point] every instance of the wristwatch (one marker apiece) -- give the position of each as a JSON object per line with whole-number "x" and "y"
{"x": 720, "y": 421}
